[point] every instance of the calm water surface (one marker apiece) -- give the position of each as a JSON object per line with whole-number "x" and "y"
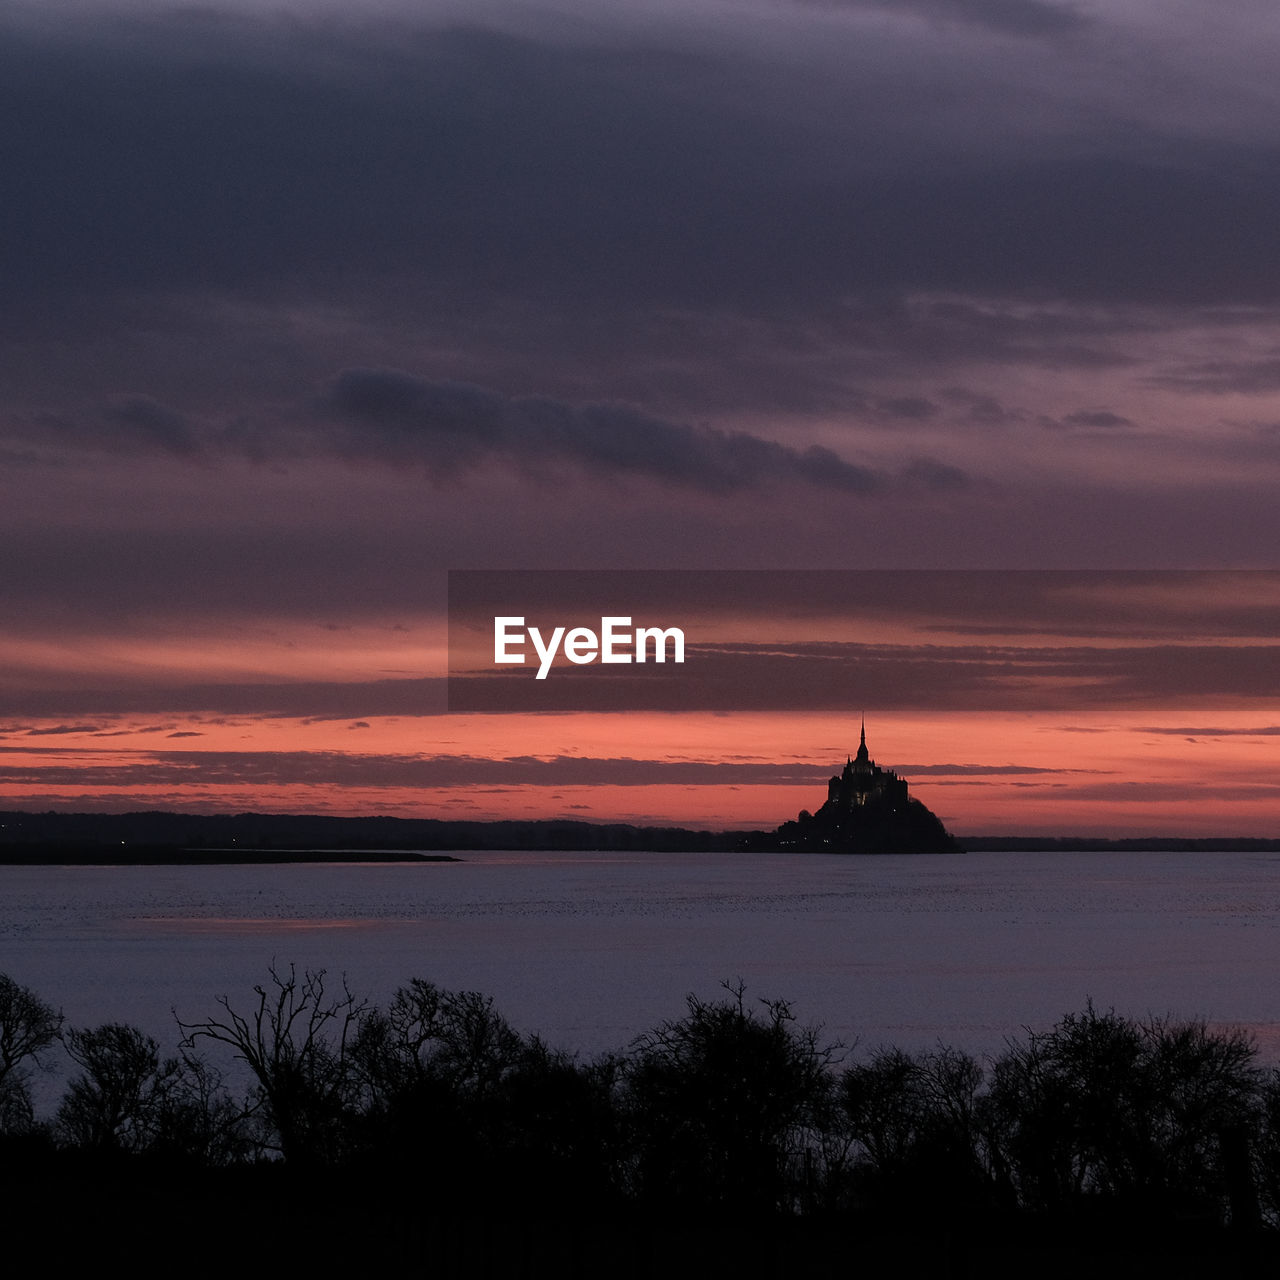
{"x": 590, "y": 949}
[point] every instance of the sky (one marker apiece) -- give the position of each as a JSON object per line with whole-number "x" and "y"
{"x": 305, "y": 307}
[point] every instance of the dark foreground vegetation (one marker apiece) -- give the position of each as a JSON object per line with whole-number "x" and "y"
{"x": 730, "y": 1140}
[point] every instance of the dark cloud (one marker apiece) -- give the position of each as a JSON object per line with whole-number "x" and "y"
{"x": 1096, "y": 418}
{"x": 980, "y": 770}
{"x": 398, "y": 419}
{"x": 605, "y": 254}
{"x": 912, "y": 408}
{"x": 1152, "y": 606}
{"x": 402, "y": 417}
{"x": 181, "y": 153}
{"x": 290, "y": 768}
{"x": 843, "y": 677}
{"x": 1262, "y": 731}
{"x": 1177, "y": 793}
{"x": 1225, "y": 377}
{"x": 150, "y": 424}
{"x": 979, "y": 407}
{"x": 222, "y": 768}
{"x": 939, "y": 476}
{"x": 123, "y": 426}
{"x": 55, "y": 730}
{"x": 1153, "y": 640}
{"x": 1033, "y": 18}
{"x": 334, "y": 700}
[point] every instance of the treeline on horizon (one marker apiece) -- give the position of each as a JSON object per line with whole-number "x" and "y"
{"x": 93, "y": 833}
{"x": 158, "y": 836}
{"x": 733, "y": 1112}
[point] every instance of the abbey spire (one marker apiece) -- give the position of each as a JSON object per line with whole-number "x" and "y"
{"x": 862, "y": 758}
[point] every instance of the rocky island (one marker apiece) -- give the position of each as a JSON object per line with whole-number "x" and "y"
{"x": 867, "y": 810}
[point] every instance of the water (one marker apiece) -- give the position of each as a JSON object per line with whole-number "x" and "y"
{"x": 591, "y": 949}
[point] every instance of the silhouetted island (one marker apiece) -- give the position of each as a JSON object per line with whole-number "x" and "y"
{"x": 867, "y": 810}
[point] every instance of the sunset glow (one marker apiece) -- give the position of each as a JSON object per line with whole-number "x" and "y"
{"x": 810, "y": 288}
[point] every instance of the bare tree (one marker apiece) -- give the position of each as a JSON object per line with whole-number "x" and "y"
{"x": 117, "y": 1101}
{"x": 295, "y": 1040}
{"x": 27, "y": 1026}
{"x": 201, "y": 1122}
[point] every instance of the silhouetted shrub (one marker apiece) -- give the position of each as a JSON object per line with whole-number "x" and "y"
{"x": 1266, "y": 1146}
{"x": 443, "y": 1072}
{"x": 728, "y": 1108}
{"x": 552, "y": 1131}
{"x": 1105, "y": 1108}
{"x": 731, "y": 1111}
{"x": 915, "y": 1121}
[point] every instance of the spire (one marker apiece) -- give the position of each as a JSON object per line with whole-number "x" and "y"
{"x": 862, "y": 757}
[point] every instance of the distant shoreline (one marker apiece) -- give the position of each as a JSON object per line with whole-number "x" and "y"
{"x": 107, "y": 855}
{"x": 1119, "y": 844}
{"x": 162, "y": 838}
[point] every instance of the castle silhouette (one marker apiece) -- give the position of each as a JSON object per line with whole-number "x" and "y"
{"x": 867, "y": 810}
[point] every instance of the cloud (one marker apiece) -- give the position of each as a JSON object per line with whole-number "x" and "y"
{"x": 1262, "y": 731}
{"x": 125, "y": 426}
{"x": 1096, "y": 418}
{"x": 1166, "y": 606}
{"x": 979, "y": 407}
{"x": 291, "y": 768}
{"x": 396, "y": 416}
{"x": 1204, "y": 793}
{"x": 58, "y": 730}
{"x": 151, "y": 425}
{"x": 938, "y": 476}
{"x": 673, "y": 166}
{"x": 1225, "y": 377}
{"x": 912, "y": 408}
{"x": 1031, "y": 18}
{"x": 336, "y": 700}
{"x": 401, "y": 420}
{"x": 838, "y": 676}
{"x": 223, "y": 768}
{"x": 980, "y": 770}
{"x": 751, "y": 225}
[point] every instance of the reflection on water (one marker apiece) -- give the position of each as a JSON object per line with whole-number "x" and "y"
{"x": 590, "y": 949}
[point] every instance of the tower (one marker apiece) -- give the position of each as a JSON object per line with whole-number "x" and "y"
{"x": 862, "y": 762}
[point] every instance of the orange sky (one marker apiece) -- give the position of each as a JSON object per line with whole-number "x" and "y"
{"x": 1037, "y": 704}
{"x": 738, "y": 302}
{"x": 1135, "y": 773}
